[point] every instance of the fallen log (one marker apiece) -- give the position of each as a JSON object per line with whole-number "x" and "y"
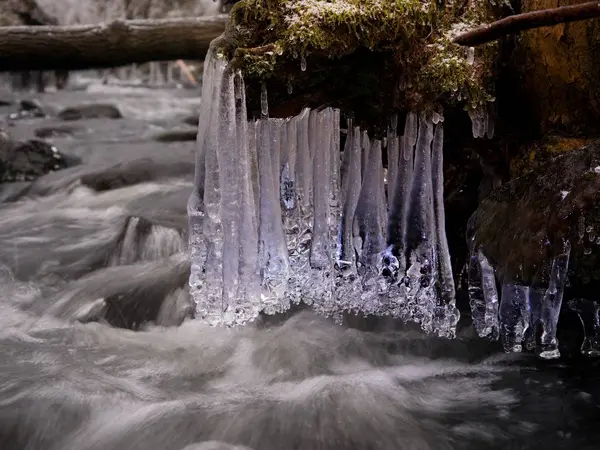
{"x": 107, "y": 45}
{"x": 527, "y": 21}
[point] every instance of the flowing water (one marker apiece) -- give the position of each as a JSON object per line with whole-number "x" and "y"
{"x": 70, "y": 254}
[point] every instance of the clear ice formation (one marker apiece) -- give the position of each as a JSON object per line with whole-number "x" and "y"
{"x": 589, "y": 314}
{"x": 281, "y": 215}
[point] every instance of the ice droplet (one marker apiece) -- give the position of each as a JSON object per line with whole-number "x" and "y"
{"x": 290, "y": 88}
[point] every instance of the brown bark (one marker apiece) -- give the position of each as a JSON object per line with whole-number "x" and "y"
{"x": 527, "y": 21}
{"x": 107, "y": 45}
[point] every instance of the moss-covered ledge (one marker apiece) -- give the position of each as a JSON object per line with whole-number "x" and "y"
{"x": 368, "y": 57}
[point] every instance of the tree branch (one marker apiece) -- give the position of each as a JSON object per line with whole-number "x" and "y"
{"x": 527, "y": 21}
{"x": 106, "y": 45}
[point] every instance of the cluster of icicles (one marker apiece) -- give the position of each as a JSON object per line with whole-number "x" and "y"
{"x": 280, "y": 215}
{"x": 527, "y": 316}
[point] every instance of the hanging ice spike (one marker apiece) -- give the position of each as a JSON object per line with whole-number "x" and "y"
{"x": 279, "y": 216}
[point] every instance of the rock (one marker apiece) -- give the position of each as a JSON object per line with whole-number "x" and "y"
{"x": 91, "y": 111}
{"x": 28, "y": 109}
{"x": 191, "y": 120}
{"x": 522, "y": 224}
{"x": 56, "y": 131}
{"x": 177, "y": 136}
{"x": 134, "y": 172}
{"x": 23, "y": 161}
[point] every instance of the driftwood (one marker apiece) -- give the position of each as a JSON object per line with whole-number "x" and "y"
{"x": 107, "y": 45}
{"x": 527, "y": 21}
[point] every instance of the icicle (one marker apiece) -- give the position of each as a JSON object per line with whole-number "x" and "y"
{"x": 299, "y": 231}
{"x": 483, "y": 296}
{"x": 347, "y": 296}
{"x": 446, "y": 316}
{"x": 303, "y": 63}
{"x": 253, "y": 161}
{"x": 264, "y": 100}
{"x": 589, "y": 314}
{"x": 322, "y": 251}
{"x": 421, "y": 239}
{"x": 287, "y": 189}
{"x": 552, "y": 303}
{"x": 205, "y": 228}
{"x": 365, "y": 145}
{"x": 275, "y": 148}
{"x": 248, "y": 191}
{"x": 290, "y": 87}
{"x": 320, "y": 247}
{"x": 514, "y": 316}
{"x": 272, "y": 247}
{"x": 367, "y": 217}
{"x": 393, "y": 157}
{"x": 398, "y": 215}
{"x": 536, "y": 297}
{"x": 410, "y": 135}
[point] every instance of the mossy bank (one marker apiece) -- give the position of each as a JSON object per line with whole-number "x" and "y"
{"x": 367, "y": 57}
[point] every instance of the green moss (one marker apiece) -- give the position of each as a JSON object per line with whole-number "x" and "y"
{"x": 423, "y": 68}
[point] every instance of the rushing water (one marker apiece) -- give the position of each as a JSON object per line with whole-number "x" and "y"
{"x": 70, "y": 254}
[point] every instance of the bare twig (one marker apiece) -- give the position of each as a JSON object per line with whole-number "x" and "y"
{"x": 527, "y": 21}
{"x": 113, "y": 44}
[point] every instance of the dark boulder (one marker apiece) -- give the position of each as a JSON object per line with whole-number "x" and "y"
{"x": 522, "y": 224}
{"x": 25, "y": 161}
{"x": 91, "y": 111}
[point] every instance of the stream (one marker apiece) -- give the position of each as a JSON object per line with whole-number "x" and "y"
{"x": 108, "y": 237}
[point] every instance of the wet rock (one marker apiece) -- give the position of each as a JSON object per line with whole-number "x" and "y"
{"x": 521, "y": 225}
{"x": 28, "y": 109}
{"x": 56, "y": 131}
{"x": 191, "y": 120}
{"x": 25, "y": 161}
{"x": 91, "y": 111}
{"x": 177, "y": 136}
{"x": 134, "y": 172}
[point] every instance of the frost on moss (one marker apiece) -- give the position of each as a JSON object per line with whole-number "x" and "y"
{"x": 401, "y": 46}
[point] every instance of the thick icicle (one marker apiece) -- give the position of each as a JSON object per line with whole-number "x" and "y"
{"x": 421, "y": 236}
{"x": 288, "y": 163}
{"x": 393, "y": 148}
{"x": 300, "y": 232}
{"x": 395, "y": 259}
{"x": 589, "y": 314}
{"x": 206, "y": 238}
{"x": 552, "y": 303}
{"x": 272, "y": 247}
{"x": 514, "y": 316}
{"x": 322, "y": 250}
{"x": 249, "y": 277}
{"x": 370, "y": 230}
{"x": 348, "y": 287}
{"x": 446, "y": 315}
{"x": 536, "y": 298}
{"x": 483, "y": 296}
